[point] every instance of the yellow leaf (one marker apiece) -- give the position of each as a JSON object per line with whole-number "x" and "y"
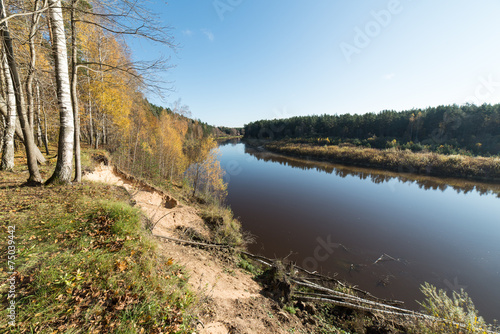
{"x": 121, "y": 265}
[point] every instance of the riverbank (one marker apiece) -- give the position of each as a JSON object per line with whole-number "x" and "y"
{"x": 82, "y": 262}
{"x": 91, "y": 260}
{"x": 432, "y": 164}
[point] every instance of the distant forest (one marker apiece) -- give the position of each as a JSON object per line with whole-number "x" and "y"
{"x": 208, "y": 130}
{"x": 452, "y": 129}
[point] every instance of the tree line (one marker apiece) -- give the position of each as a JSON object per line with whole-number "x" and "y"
{"x": 466, "y": 129}
{"x": 67, "y": 78}
{"x": 66, "y": 74}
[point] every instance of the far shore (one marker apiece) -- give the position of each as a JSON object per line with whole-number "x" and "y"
{"x": 486, "y": 169}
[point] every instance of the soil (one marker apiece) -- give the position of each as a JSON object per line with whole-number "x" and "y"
{"x": 231, "y": 301}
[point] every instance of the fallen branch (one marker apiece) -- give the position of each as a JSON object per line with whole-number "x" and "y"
{"x": 385, "y": 257}
{"x": 261, "y": 259}
{"x": 195, "y": 243}
{"x": 365, "y": 293}
{"x": 351, "y": 298}
{"x": 414, "y": 315}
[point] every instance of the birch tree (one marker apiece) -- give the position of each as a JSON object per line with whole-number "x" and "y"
{"x": 74, "y": 93}
{"x": 64, "y": 166}
{"x": 29, "y": 143}
{"x": 10, "y": 126}
{"x": 32, "y": 63}
{"x": 18, "y": 131}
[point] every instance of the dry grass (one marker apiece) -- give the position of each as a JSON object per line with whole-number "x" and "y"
{"x": 85, "y": 263}
{"x": 396, "y": 160}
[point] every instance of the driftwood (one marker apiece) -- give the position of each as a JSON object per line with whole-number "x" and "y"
{"x": 269, "y": 263}
{"x": 385, "y": 257}
{"x": 293, "y": 277}
{"x": 194, "y": 243}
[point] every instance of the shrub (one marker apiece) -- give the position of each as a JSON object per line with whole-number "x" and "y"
{"x": 458, "y": 311}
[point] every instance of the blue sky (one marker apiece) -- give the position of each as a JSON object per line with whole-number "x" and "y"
{"x": 245, "y": 60}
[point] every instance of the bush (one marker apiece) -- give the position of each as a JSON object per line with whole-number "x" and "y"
{"x": 458, "y": 311}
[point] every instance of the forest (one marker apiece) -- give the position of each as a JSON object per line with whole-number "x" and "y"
{"x": 453, "y": 129}
{"x": 68, "y": 79}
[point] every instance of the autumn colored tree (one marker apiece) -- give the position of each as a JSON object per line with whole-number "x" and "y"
{"x": 203, "y": 164}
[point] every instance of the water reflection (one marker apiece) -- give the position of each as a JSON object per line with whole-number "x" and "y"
{"x": 376, "y": 176}
{"x": 338, "y": 219}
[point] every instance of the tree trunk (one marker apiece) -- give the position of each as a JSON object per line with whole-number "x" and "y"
{"x": 29, "y": 142}
{"x": 45, "y": 136}
{"x": 104, "y": 132}
{"x": 91, "y": 125}
{"x": 19, "y": 132}
{"x": 74, "y": 95}
{"x": 10, "y": 126}
{"x": 198, "y": 167}
{"x": 38, "y": 124}
{"x": 42, "y": 135}
{"x": 31, "y": 68}
{"x": 3, "y": 125}
{"x": 64, "y": 166}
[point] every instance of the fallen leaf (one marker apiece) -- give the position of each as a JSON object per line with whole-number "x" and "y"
{"x": 121, "y": 265}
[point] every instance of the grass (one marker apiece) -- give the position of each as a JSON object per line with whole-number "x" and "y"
{"x": 458, "y": 308}
{"x": 85, "y": 264}
{"x": 396, "y": 160}
{"x": 220, "y": 219}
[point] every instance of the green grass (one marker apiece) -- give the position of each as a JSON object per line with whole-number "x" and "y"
{"x": 86, "y": 264}
{"x": 220, "y": 219}
{"x": 458, "y": 308}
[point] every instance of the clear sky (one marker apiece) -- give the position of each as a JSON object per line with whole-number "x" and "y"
{"x": 243, "y": 60}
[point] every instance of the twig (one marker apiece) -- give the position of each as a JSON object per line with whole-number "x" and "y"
{"x": 352, "y": 298}
{"x": 372, "y": 310}
{"x": 261, "y": 259}
{"x": 192, "y": 242}
{"x": 154, "y": 225}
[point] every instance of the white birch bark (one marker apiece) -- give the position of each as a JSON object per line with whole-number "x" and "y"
{"x": 19, "y": 132}
{"x": 64, "y": 167}
{"x": 74, "y": 94}
{"x": 29, "y": 142}
{"x": 8, "y": 140}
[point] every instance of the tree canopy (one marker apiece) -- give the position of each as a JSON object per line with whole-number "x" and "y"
{"x": 448, "y": 129}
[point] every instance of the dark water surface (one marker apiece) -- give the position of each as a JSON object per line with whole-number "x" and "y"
{"x": 338, "y": 219}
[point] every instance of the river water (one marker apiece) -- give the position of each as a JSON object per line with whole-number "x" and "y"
{"x": 385, "y": 232}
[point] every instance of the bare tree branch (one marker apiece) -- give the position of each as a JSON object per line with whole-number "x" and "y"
{"x": 41, "y": 10}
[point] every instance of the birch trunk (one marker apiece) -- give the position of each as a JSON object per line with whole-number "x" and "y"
{"x": 38, "y": 132}
{"x": 45, "y": 135}
{"x": 31, "y": 68}
{"x": 91, "y": 123}
{"x": 10, "y": 126}
{"x": 29, "y": 142}
{"x": 64, "y": 166}
{"x": 39, "y": 108}
{"x": 74, "y": 95}
{"x": 19, "y": 132}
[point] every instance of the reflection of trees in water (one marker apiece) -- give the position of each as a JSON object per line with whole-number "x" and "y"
{"x": 377, "y": 176}
{"x": 232, "y": 141}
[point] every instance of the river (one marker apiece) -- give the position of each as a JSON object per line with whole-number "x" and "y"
{"x": 385, "y": 232}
